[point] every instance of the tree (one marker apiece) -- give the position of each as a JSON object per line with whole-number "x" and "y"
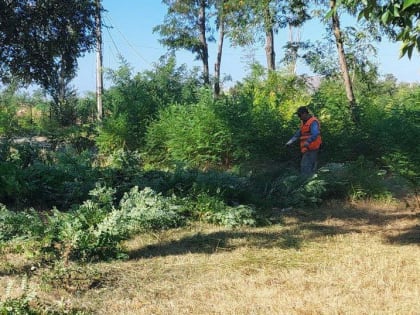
{"x": 402, "y": 16}
{"x": 186, "y": 26}
{"x": 39, "y": 39}
{"x": 220, "y": 22}
{"x": 260, "y": 20}
{"x": 40, "y": 42}
{"x": 342, "y": 58}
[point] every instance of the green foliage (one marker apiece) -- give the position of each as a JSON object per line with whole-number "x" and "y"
{"x": 8, "y": 109}
{"x": 252, "y": 123}
{"x": 123, "y": 170}
{"x": 190, "y": 134}
{"x": 146, "y": 210}
{"x": 186, "y": 26}
{"x": 24, "y": 224}
{"x": 18, "y": 306}
{"x": 133, "y": 102}
{"x": 86, "y": 109}
{"x": 404, "y": 165}
{"x": 293, "y": 190}
{"x": 11, "y": 182}
{"x": 28, "y": 303}
{"x": 400, "y": 16}
{"x": 62, "y": 183}
{"x": 356, "y": 180}
{"x": 392, "y": 125}
{"x": 260, "y": 112}
{"x": 235, "y": 216}
{"x": 35, "y": 54}
{"x": 212, "y": 209}
{"x": 95, "y": 230}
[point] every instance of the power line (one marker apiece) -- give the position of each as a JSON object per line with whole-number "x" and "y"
{"x": 126, "y": 40}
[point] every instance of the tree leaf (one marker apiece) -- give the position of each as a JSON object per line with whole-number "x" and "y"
{"x": 396, "y": 11}
{"x": 330, "y": 14}
{"x": 386, "y": 17}
{"x": 409, "y": 3}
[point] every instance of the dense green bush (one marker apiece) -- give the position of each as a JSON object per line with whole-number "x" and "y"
{"x": 8, "y": 108}
{"x": 260, "y": 114}
{"x": 190, "y": 134}
{"x": 213, "y": 209}
{"x": 63, "y": 181}
{"x": 24, "y": 224}
{"x": 96, "y": 229}
{"x": 147, "y": 210}
{"x": 354, "y": 180}
{"x": 294, "y": 190}
{"x": 133, "y": 102}
{"x": 12, "y": 183}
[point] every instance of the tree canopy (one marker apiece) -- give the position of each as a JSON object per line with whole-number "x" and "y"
{"x": 402, "y": 16}
{"x": 41, "y": 40}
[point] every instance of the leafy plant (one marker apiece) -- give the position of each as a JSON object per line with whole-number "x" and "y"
{"x": 134, "y": 101}
{"x": 23, "y": 224}
{"x": 146, "y": 210}
{"x": 295, "y": 190}
{"x": 190, "y": 134}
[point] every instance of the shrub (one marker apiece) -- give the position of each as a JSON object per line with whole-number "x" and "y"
{"x": 95, "y": 230}
{"x": 294, "y": 190}
{"x": 24, "y": 224}
{"x": 235, "y": 216}
{"x": 190, "y": 134}
{"x": 134, "y": 101}
{"x": 147, "y": 210}
{"x": 359, "y": 179}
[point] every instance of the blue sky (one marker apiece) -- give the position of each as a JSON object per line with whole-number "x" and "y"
{"x": 131, "y": 36}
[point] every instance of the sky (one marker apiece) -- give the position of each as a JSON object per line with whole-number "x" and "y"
{"x": 130, "y": 34}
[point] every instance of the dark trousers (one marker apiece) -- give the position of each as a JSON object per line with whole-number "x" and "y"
{"x": 308, "y": 163}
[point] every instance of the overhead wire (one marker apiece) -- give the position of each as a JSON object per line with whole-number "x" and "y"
{"x": 125, "y": 39}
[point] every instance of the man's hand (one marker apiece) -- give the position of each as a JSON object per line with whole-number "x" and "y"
{"x": 289, "y": 143}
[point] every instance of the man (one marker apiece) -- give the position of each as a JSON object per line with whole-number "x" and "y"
{"x": 309, "y": 135}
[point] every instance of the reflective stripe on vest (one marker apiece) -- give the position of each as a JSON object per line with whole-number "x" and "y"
{"x": 305, "y": 133}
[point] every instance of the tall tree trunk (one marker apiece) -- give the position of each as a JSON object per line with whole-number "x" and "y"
{"x": 203, "y": 41}
{"x": 343, "y": 63}
{"x": 99, "y": 72}
{"x": 269, "y": 40}
{"x": 219, "y": 54}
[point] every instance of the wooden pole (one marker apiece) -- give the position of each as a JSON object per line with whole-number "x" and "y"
{"x": 99, "y": 73}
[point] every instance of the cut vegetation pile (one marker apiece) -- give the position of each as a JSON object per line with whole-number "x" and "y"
{"x": 360, "y": 258}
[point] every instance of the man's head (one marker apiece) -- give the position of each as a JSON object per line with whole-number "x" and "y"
{"x": 303, "y": 113}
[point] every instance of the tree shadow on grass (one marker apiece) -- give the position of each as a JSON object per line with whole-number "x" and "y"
{"x": 222, "y": 241}
{"x": 401, "y": 226}
{"x": 409, "y": 235}
{"x": 295, "y": 228}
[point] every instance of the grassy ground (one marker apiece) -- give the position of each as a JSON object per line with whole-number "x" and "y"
{"x": 338, "y": 259}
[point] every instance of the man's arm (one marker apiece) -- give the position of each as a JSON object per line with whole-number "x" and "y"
{"x": 294, "y": 138}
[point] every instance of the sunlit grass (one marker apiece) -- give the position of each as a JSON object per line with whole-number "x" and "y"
{"x": 360, "y": 258}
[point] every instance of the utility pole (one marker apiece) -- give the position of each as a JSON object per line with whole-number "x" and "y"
{"x": 99, "y": 73}
{"x": 294, "y": 40}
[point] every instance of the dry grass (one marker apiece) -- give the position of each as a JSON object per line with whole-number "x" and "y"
{"x": 340, "y": 259}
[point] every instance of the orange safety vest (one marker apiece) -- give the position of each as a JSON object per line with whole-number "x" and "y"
{"x": 305, "y": 133}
